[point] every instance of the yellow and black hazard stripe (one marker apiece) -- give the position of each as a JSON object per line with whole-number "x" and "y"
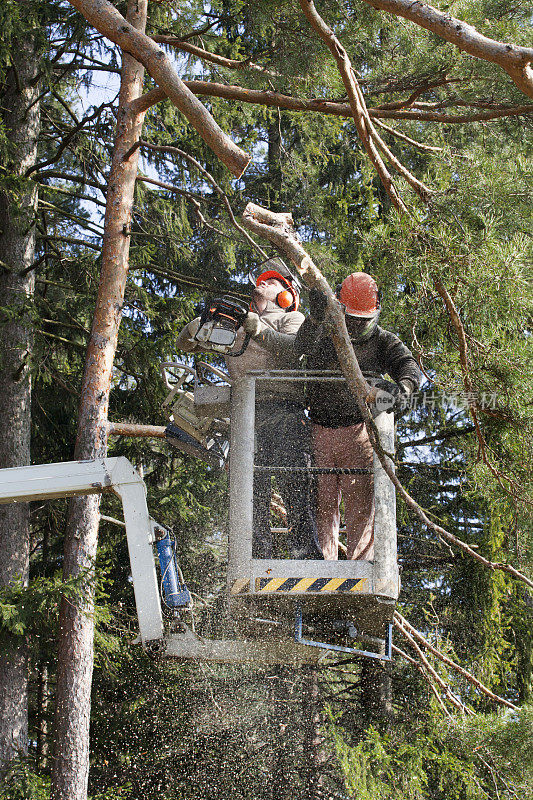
{"x": 241, "y": 586}
{"x": 270, "y": 585}
{"x": 263, "y": 585}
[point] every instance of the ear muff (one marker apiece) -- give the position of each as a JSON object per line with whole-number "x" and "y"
{"x": 285, "y": 299}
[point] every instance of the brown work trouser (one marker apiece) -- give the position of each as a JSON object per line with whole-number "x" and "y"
{"x": 345, "y": 447}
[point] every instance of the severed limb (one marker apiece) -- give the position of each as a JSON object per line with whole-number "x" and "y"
{"x": 132, "y": 429}
{"x": 278, "y": 228}
{"x": 109, "y": 22}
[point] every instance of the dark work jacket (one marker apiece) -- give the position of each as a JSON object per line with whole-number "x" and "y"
{"x": 332, "y": 405}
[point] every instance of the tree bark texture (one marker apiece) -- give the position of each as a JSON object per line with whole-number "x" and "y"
{"x": 272, "y": 99}
{"x": 76, "y": 629}
{"x": 313, "y": 738}
{"x": 21, "y": 118}
{"x": 108, "y": 21}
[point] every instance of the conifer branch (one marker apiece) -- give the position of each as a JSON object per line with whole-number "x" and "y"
{"x": 356, "y": 100}
{"x": 422, "y": 671}
{"x": 67, "y": 140}
{"x": 399, "y": 135}
{"x": 436, "y": 677}
{"x": 472, "y": 405}
{"x": 207, "y": 175}
{"x": 214, "y": 58}
{"x": 515, "y": 60}
{"x": 446, "y": 660}
{"x": 278, "y": 229}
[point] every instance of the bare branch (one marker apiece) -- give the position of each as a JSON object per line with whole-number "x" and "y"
{"x": 322, "y": 106}
{"x": 109, "y": 22}
{"x": 446, "y": 660}
{"x": 435, "y": 116}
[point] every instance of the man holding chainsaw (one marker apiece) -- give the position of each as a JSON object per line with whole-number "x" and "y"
{"x": 339, "y": 435}
{"x": 282, "y": 430}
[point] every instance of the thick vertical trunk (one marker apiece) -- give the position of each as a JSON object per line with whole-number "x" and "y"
{"x": 376, "y": 691}
{"x": 313, "y": 745}
{"x": 20, "y": 116}
{"x": 76, "y": 633}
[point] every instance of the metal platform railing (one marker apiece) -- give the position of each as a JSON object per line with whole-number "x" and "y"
{"x": 381, "y": 576}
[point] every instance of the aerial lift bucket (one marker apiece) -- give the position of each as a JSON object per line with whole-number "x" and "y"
{"x": 284, "y": 597}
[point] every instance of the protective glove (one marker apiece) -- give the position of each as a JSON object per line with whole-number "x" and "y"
{"x": 317, "y": 305}
{"x": 252, "y": 324}
{"x": 401, "y": 392}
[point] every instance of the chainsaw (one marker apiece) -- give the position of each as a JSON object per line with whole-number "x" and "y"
{"x": 220, "y": 319}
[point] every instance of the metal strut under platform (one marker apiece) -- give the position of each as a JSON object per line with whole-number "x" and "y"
{"x": 298, "y": 637}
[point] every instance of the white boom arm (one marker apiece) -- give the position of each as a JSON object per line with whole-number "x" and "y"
{"x": 52, "y": 481}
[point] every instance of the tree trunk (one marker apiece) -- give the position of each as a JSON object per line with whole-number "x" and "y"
{"x": 376, "y": 691}
{"x": 17, "y": 245}
{"x": 313, "y": 739}
{"x": 76, "y": 629}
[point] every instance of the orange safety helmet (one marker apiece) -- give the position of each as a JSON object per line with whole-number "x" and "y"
{"x": 289, "y": 298}
{"x": 360, "y": 296}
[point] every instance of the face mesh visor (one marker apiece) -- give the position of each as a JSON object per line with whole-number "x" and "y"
{"x": 361, "y": 327}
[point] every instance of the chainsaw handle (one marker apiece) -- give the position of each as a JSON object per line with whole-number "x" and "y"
{"x": 243, "y": 348}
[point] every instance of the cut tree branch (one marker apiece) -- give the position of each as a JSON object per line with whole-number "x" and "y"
{"x": 109, "y": 22}
{"x": 131, "y": 429}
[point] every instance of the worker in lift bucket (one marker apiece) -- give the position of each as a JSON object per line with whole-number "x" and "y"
{"x": 340, "y": 439}
{"x": 283, "y": 432}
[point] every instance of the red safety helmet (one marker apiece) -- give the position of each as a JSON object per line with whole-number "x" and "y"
{"x": 289, "y": 298}
{"x": 359, "y": 295}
